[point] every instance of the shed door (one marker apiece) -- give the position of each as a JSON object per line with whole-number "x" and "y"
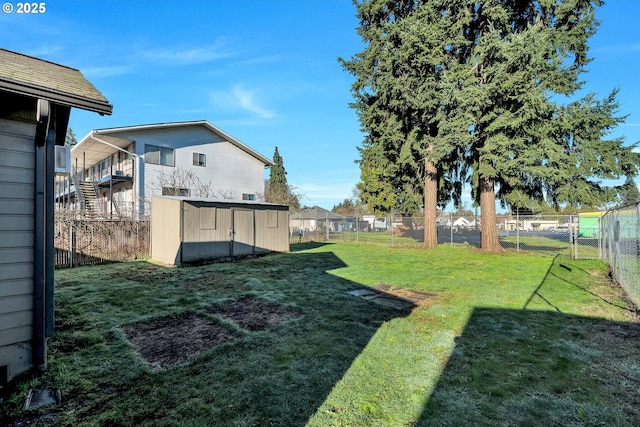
{"x": 244, "y": 237}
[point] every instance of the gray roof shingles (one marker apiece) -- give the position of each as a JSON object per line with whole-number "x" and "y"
{"x": 27, "y": 75}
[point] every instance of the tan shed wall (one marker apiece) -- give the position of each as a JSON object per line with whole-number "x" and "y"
{"x": 17, "y": 187}
{"x": 197, "y": 225}
{"x": 165, "y": 230}
{"x": 206, "y": 230}
{"x": 269, "y": 235}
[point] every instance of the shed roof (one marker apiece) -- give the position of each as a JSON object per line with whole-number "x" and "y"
{"x": 26, "y": 75}
{"x": 223, "y": 201}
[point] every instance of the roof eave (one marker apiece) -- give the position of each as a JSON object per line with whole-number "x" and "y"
{"x": 61, "y": 98}
{"x": 265, "y": 160}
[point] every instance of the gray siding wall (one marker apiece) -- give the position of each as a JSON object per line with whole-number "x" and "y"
{"x": 17, "y": 186}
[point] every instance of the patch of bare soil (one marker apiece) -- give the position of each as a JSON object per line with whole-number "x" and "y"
{"x": 253, "y": 314}
{"x": 422, "y": 299}
{"x": 169, "y": 341}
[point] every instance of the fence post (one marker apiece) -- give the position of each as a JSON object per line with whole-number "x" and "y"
{"x": 391, "y": 223}
{"x": 575, "y": 234}
{"x": 72, "y": 245}
{"x": 326, "y": 215}
{"x": 600, "y": 236}
{"x": 517, "y": 230}
{"x": 572, "y": 249}
{"x": 450, "y": 228}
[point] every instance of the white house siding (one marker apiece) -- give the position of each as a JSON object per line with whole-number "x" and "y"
{"x": 17, "y": 185}
{"x": 232, "y": 170}
{"x": 123, "y": 196}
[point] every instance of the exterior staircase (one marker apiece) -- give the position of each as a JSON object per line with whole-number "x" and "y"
{"x": 115, "y": 206}
{"x": 88, "y": 197}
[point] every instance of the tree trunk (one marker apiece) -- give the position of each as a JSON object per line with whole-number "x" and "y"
{"x": 490, "y": 241}
{"x": 430, "y": 204}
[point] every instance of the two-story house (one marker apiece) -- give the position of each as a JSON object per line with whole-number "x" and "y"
{"x": 118, "y": 170}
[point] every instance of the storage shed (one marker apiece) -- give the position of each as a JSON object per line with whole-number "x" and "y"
{"x": 191, "y": 230}
{"x": 36, "y": 98}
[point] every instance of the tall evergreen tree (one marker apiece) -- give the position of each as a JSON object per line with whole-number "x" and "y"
{"x": 70, "y": 139}
{"x": 396, "y": 95}
{"x": 278, "y": 190}
{"x": 587, "y": 155}
{"x": 520, "y": 56}
{"x": 469, "y": 86}
{"x": 628, "y": 193}
{"x": 277, "y": 175}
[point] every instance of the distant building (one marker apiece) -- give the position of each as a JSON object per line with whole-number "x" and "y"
{"x": 314, "y": 219}
{"x": 116, "y": 171}
{"x": 531, "y": 224}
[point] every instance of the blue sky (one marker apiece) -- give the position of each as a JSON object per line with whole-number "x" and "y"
{"x": 264, "y": 71}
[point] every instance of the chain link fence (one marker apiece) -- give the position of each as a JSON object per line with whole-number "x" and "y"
{"x": 613, "y": 236}
{"x": 621, "y": 247}
{"x": 82, "y": 241}
{"x": 570, "y": 235}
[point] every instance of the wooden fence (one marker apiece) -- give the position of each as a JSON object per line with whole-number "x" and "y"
{"x": 82, "y": 241}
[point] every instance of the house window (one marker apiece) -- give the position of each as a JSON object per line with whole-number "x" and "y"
{"x": 174, "y": 191}
{"x": 159, "y": 155}
{"x": 199, "y": 159}
{"x": 246, "y": 196}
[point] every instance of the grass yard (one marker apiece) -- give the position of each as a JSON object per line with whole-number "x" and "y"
{"x": 511, "y": 340}
{"x": 381, "y": 237}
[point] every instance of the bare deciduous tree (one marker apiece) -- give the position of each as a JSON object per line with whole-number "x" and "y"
{"x": 183, "y": 182}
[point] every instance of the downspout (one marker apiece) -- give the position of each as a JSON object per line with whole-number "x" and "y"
{"x": 42, "y": 141}
{"x": 138, "y": 189}
{"x": 59, "y": 121}
{"x": 111, "y": 186}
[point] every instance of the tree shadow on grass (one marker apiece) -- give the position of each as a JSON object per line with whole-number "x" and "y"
{"x": 530, "y": 367}
{"x": 552, "y": 273}
{"x": 528, "y": 247}
{"x": 520, "y": 367}
{"x": 303, "y": 246}
{"x": 276, "y": 376}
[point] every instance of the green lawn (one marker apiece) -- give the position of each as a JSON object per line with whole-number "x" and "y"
{"x": 513, "y": 339}
{"x": 383, "y": 237}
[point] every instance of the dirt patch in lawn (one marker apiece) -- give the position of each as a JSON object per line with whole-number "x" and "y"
{"x": 169, "y": 341}
{"x": 166, "y": 342}
{"x": 253, "y": 314}
{"x": 422, "y": 299}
